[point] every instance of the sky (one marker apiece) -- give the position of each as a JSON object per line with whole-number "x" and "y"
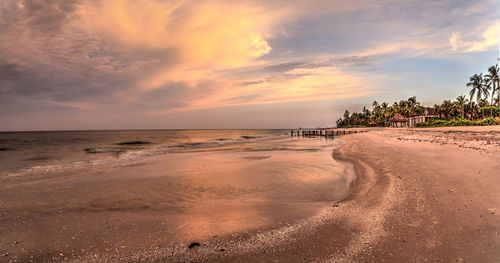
{"x": 216, "y": 64}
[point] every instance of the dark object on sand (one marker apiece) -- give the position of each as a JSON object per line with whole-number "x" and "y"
{"x": 249, "y": 137}
{"x": 132, "y": 143}
{"x": 194, "y": 244}
{"x": 6, "y": 149}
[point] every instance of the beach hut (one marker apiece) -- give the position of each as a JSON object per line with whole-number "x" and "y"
{"x": 429, "y": 113}
{"x": 372, "y": 124}
{"x": 398, "y": 121}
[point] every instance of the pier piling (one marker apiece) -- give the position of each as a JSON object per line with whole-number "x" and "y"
{"x": 324, "y": 133}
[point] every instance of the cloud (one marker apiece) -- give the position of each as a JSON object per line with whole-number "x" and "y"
{"x": 454, "y": 41}
{"x": 206, "y": 35}
{"x": 244, "y": 98}
{"x": 49, "y": 59}
{"x": 208, "y": 38}
{"x": 283, "y": 67}
{"x": 164, "y": 56}
{"x": 491, "y": 38}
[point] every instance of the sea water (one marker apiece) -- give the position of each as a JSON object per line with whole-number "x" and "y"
{"x": 74, "y": 190}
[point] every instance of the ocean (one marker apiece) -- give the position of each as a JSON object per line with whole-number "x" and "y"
{"x": 80, "y": 191}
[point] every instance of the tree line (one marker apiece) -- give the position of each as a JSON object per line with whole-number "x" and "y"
{"x": 483, "y": 102}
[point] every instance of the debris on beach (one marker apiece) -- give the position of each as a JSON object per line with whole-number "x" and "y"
{"x": 133, "y": 143}
{"x": 194, "y": 244}
{"x": 6, "y": 149}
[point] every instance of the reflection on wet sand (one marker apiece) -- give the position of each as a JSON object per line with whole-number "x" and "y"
{"x": 175, "y": 197}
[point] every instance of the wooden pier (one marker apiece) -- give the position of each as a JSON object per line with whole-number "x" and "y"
{"x": 323, "y": 133}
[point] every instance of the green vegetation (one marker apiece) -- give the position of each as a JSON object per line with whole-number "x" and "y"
{"x": 381, "y": 113}
{"x": 485, "y": 110}
{"x": 492, "y": 110}
{"x": 459, "y": 122}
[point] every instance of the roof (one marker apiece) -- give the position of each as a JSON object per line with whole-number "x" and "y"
{"x": 397, "y": 118}
{"x": 372, "y": 123}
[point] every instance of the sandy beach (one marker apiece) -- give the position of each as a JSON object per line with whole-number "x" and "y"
{"x": 249, "y": 131}
{"x": 440, "y": 195}
{"x": 421, "y": 195}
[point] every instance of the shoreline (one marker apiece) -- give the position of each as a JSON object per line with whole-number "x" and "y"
{"x": 293, "y": 242}
{"x": 419, "y": 195}
{"x": 417, "y": 198}
{"x": 237, "y": 247}
{"x": 446, "y": 208}
{"x": 80, "y": 220}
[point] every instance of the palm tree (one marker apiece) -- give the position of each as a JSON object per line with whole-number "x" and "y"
{"x": 484, "y": 103}
{"x": 461, "y": 100}
{"x": 473, "y": 109}
{"x": 346, "y": 114}
{"x": 492, "y": 79}
{"x": 412, "y": 101}
{"x": 403, "y": 108}
{"x": 478, "y": 87}
{"x": 384, "y": 108}
{"x": 355, "y": 118}
{"x": 366, "y": 115}
{"x": 446, "y": 108}
{"x": 414, "y": 106}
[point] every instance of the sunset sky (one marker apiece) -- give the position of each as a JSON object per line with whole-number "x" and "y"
{"x": 124, "y": 64}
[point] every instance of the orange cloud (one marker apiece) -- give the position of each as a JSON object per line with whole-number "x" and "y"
{"x": 297, "y": 85}
{"x": 454, "y": 41}
{"x": 206, "y": 35}
{"x": 210, "y": 37}
{"x": 489, "y": 38}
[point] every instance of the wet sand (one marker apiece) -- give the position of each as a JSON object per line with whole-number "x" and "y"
{"x": 122, "y": 206}
{"x": 424, "y": 195}
{"x": 421, "y": 195}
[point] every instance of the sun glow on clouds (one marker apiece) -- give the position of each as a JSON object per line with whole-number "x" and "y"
{"x": 489, "y": 38}
{"x": 297, "y": 85}
{"x": 154, "y": 57}
{"x": 208, "y": 37}
{"x": 204, "y": 35}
